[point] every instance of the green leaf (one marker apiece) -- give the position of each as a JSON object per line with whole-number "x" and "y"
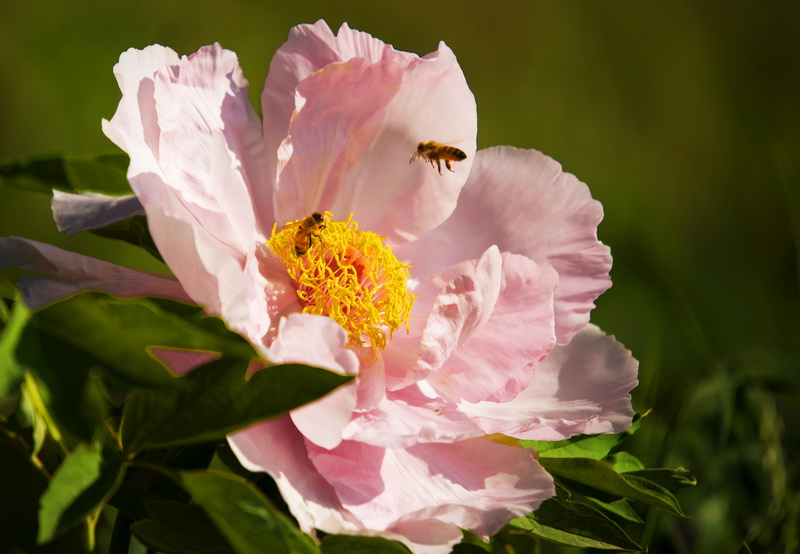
{"x": 563, "y": 521}
{"x": 133, "y": 230}
{"x": 596, "y": 447}
{"x": 217, "y": 399}
{"x": 243, "y": 515}
{"x": 86, "y": 478}
{"x": 174, "y": 527}
{"x": 10, "y": 370}
{"x": 61, "y": 378}
{"x": 671, "y": 479}
{"x": 105, "y": 173}
{"x": 601, "y": 476}
{"x": 7, "y": 290}
{"x": 121, "y": 334}
{"x": 351, "y": 544}
{"x": 620, "y": 508}
{"x": 21, "y": 484}
{"x": 622, "y": 462}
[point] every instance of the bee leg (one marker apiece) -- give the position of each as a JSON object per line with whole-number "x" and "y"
{"x": 447, "y": 163}
{"x": 439, "y": 165}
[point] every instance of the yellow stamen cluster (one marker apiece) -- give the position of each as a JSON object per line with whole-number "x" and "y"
{"x": 349, "y": 276}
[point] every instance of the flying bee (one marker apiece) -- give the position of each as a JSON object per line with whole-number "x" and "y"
{"x": 434, "y": 152}
{"x": 308, "y": 230}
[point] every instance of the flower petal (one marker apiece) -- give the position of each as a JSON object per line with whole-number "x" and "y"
{"x": 491, "y": 323}
{"x": 341, "y": 106}
{"x": 366, "y": 108}
{"x": 583, "y": 387}
{"x": 67, "y": 273}
{"x": 277, "y": 447}
{"x": 524, "y": 203}
{"x": 90, "y": 210}
{"x": 407, "y": 417}
{"x": 198, "y": 134}
{"x": 475, "y": 484}
{"x": 309, "y": 48}
{"x": 319, "y": 341}
{"x": 497, "y": 360}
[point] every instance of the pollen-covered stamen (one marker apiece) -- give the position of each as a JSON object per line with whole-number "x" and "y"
{"x": 348, "y": 275}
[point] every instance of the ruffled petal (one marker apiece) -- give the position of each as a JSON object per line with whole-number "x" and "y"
{"x": 309, "y": 48}
{"x": 407, "y": 417}
{"x": 497, "y": 360}
{"x": 490, "y": 323}
{"x": 583, "y": 387}
{"x": 197, "y": 136}
{"x": 225, "y": 285}
{"x": 67, "y": 273}
{"x": 74, "y": 213}
{"x": 475, "y": 484}
{"x": 319, "y": 341}
{"x": 361, "y": 108}
{"x": 277, "y": 447}
{"x": 521, "y": 201}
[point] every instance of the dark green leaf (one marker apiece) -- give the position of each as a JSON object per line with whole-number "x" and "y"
{"x": 596, "y": 447}
{"x": 62, "y": 379}
{"x": 216, "y": 399}
{"x": 243, "y": 515}
{"x": 601, "y": 476}
{"x": 563, "y": 521}
{"x": 471, "y": 543}
{"x": 133, "y": 230}
{"x": 102, "y": 173}
{"x": 671, "y": 479}
{"x": 174, "y": 527}
{"x": 348, "y": 544}
{"x": 21, "y": 484}
{"x": 121, "y": 334}
{"x": 86, "y": 478}
{"x": 620, "y": 508}
{"x": 10, "y": 371}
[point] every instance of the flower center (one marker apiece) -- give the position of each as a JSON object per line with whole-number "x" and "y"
{"x": 347, "y": 275}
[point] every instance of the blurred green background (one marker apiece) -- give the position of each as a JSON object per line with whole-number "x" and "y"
{"x": 684, "y": 119}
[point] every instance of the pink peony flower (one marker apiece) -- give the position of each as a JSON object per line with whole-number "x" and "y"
{"x": 460, "y": 300}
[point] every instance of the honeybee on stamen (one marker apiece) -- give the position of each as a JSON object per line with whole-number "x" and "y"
{"x": 432, "y": 151}
{"x": 307, "y": 230}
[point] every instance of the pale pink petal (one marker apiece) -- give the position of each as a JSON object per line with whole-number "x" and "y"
{"x": 196, "y": 103}
{"x": 216, "y": 280}
{"x": 309, "y": 48}
{"x": 521, "y": 201}
{"x": 497, "y": 360}
{"x": 319, "y": 341}
{"x": 342, "y": 106}
{"x": 407, "y": 417}
{"x": 361, "y": 153}
{"x": 90, "y": 210}
{"x": 490, "y": 323}
{"x": 434, "y": 103}
{"x": 450, "y": 302}
{"x": 66, "y": 273}
{"x": 133, "y": 127}
{"x": 198, "y": 137}
{"x": 583, "y": 387}
{"x": 277, "y": 447}
{"x": 474, "y": 484}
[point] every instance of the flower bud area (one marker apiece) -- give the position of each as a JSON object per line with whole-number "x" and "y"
{"x": 347, "y": 275}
